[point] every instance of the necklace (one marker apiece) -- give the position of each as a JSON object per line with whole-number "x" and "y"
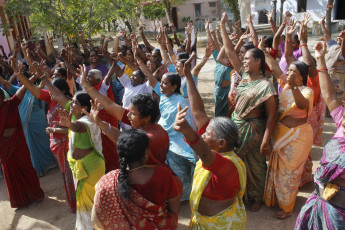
{"x": 130, "y": 170}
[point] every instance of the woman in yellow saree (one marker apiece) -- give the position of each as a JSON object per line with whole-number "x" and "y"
{"x": 292, "y": 138}
{"x": 85, "y": 156}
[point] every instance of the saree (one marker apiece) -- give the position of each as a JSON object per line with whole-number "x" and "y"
{"x": 34, "y": 124}
{"x": 180, "y": 157}
{"x": 316, "y": 120}
{"x": 291, "y": 147}
{"x": 250, "y": 96}
{"x": 59, "y": 147}
{"x": 108, "y": 146}
{"x": 221, "y": 72}
{"x": 21, "y": 178}
{"x": 86, "y": 173}
{"x": 111, "y": 211}
{"x": 317, "y": 213}
{"x": 233, "y": 217}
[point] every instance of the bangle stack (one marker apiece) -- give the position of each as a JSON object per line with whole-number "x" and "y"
{"x": 303, "y": 45}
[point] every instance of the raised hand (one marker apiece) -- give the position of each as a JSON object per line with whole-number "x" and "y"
{"x": 224, "y": 18}
{"x": 250, "y": 19}
{"x": 322, "y": 22}
{"x": 238, "y": 24}
{"x": 83, "y": 75}
{"x": 166, "y": 28}
{"x": 141, "y": 29}
{"x": 291, "y": 27}
{"x": 306, "y": 19}
{"x": 245, "y": 35}
{"x": 181, "y": 124}
{"x": 320, "y": 49}
{"x": 270, "y": 15}
{"x": 209, "y": 49}
{"x": 207, "y": 24}
{"x": 14, "y": 64}
{"x": 187, "y": 64}
{"x": 65, "y": 118}
{"x": 189, "y": 29}
{"x": 287, "y": 14}
{"x": 342, "y": 34}
{"x": 94, "y": 112}
{"x": 261, "y": 43}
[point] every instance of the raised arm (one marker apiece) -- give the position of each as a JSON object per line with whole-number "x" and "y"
{"x": 111, "y": 132}
{"x": 218, "y": 34}
{"x": 241, "y": 41}
{"x": 200, "y": 147}
{"x": 208, "y": 33}
{"x": 290, "y": 29}
{"x": 328, "y": 91}
{"x": 252, "y": 30}
{"x": 169, "y": 45}
{"x": 164, "y": 53}
{"x": 189, "y": 30}
{"x": 278, "y": 34}
{"x": 111, "y": 107}
{"x": 325, "y": 32}
{"x": 152, "y": 80}
{"x": 214, "y": 37}
{"x": 34, "y": 90}
{"x": 273, "y": 65}
{"x": 65, "y": 121}
{"x": 173, "y": 28}
{"x": 208, "y": 52}
{"x": 146, "y": 42}
{"x": 196, "y": 103}
{"x": 83, "y": 43}
{"x": 272, "y": 23}
{"x": 303, "y": 37}
{"x": 229, "y": 47}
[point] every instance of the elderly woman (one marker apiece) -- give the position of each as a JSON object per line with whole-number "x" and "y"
{"x": 292, "y": 135}
{"x": 254, "y": 115}
{"x": 216, "y": 199}
{"x": 139, "y": 196}
{"x": 325, "y": 207}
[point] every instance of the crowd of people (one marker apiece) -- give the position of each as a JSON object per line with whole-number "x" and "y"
{"x": 129, "y": 131}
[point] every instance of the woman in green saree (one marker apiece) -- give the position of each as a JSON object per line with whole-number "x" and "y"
{"x": 254, "y": 114}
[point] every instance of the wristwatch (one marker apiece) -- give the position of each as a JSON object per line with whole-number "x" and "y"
{"x": 295, "y": 87}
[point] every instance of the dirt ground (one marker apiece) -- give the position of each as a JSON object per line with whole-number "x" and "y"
{"x": 54, "y": 213}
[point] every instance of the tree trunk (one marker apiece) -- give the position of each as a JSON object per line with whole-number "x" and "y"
{"x": 128, "y": 26}
{"x": 275, "y": 11}
{"x": 281, "y": 11}
{"x": 329, "y": 16}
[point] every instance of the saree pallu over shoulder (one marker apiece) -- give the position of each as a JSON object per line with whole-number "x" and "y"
{"x": 111, "y": 211}
{"x": 86, "y": 173}
{"x": 318, "y": 213}
{"x": 251, "y": 94}
{"x": 291, "y": 147}
{"x": 233, "y": 217}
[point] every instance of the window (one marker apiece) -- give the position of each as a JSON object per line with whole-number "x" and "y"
{"x": 197, "y": 8}
{"x": 301, "y": 6}
{"x": 212, "y": 4}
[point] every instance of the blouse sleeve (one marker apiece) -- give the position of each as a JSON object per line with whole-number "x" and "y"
{"x": 45, "y": 96}
{"x": 124, "y": 118}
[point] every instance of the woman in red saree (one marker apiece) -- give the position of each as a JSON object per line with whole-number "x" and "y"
{"x": 21, "y": 178}
{"x": 136, "y": 196}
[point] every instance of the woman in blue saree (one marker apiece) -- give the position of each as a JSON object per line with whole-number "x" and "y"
{"x": 34, "y": 124}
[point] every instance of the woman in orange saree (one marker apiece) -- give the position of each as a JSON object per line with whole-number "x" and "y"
{"x": 292, "y": 140}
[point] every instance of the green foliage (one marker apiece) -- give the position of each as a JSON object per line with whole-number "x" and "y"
{"x": 185, "y": 20}
{"x": 70, "y": 16}
{"x": 154, "y": 11}
{"x": 234, "y": 8}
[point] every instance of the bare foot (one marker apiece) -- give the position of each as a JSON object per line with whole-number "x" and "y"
{"x": 282, "y": 215}
{"x": 256, "y": 206}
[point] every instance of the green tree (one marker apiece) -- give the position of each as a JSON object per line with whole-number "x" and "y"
{"x": 168, "y": 5}
{"x": 154, "y": 12}
{"x": 234, "y": 9}
{"x": 126, "y": 10}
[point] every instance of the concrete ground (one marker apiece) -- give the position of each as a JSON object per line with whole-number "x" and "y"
{"x": 53, "y": 212}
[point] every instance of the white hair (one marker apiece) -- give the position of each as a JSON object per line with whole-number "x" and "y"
{"x": 97, "y": 74}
